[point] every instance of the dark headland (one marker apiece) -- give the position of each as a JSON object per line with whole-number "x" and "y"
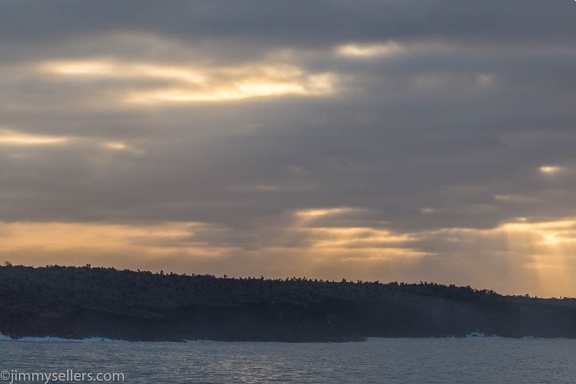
{"x": 83, "y": 302}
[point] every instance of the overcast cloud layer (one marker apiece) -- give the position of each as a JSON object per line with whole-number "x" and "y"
{"x": 374, "y": 140}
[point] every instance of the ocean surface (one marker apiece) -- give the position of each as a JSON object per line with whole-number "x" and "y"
{"x": 463, "y": 360}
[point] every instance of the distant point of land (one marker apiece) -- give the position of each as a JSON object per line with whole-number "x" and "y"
{"x": 85, "y": 302}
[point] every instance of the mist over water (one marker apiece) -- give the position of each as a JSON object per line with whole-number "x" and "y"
{"x": 468, "y": 360}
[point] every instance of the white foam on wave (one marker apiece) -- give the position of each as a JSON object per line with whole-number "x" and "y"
{"x": 530, "y": 337}
{"x": 59, "y": 339}
{"x": 201, "y": 341}
{"x": 480, "y": 335}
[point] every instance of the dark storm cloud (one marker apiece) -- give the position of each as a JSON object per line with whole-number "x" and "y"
{"x": 292, "y": 23}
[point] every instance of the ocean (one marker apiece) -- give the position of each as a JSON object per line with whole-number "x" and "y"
{"x": 449, "y": 360}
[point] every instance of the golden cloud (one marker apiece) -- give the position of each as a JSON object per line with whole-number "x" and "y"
{"x": 519, "y": 256}
{"x": 14, "y": 138}
{"x": 75, "y": 243}
{"x": 365, "y": 51}
{"x": 197, "y": 83}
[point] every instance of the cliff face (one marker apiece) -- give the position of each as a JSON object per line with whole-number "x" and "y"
{"x": 96, "y": 302}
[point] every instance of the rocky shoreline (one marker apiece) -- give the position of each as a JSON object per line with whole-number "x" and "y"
{"x": 85, "y": 302}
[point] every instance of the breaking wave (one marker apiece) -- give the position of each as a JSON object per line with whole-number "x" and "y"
{"x": 59, "y": 339}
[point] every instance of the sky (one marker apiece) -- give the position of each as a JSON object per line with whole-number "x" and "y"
{"x": 390, "y": 140}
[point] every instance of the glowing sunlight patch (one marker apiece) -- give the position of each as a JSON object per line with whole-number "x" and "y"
{"x": 317, "y": 213}
{"x": 548, "y": 232}
{"x": 355, "y": 237}
{"x": 369, "y": 50}
{"x": 314, "y": 85}
{"x": 532, "y": 256}
{"x": 76, "y": 239}
{"x": 363, "y": 245}
{"x": 114, "y": 69}
{"x": 9, "y": 137}
{"x": 187, "y": 84}
{"x": 117, "y": 146}
{"x": 551, "y": 169}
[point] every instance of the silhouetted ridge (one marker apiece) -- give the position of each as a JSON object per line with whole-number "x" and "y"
{"x": 81, "y": 302}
